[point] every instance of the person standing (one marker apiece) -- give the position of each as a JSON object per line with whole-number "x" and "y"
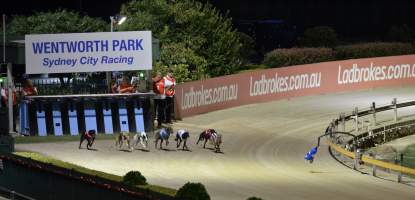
{"x": 114, "y": 87}
{"x": 4, "y": 102}
{"x": 25, "y": 107}
{"x": 159, "y": 98}
{"x": 125, "y": 86}
{"x": 169, "y": 83}
{"x": 28, "y": 88}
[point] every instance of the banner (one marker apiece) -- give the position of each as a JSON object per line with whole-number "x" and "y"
{"x": 88, "y": 52}
{"x": 198, "y": 97}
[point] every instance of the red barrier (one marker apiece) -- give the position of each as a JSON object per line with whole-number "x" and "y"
{"x": 302, "y": 80}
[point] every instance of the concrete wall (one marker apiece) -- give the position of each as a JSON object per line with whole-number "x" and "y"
{"x": 198, "y": 97}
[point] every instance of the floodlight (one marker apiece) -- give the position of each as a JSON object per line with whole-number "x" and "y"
{"x": 121, "y": 20}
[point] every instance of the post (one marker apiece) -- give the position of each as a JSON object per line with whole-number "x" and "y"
{"x": 108, "y": 77}
{"x": 108, "y": 74}
{"x": 374, "y": 167}
{"x": 149, "y": 80}
{"x": 4, "y": 38}
{"x": 10, "y": 96}
{"x": 356, "y": 158}
{"x": 343, "y": 121}
{"x": 400, "y": 173}
{"x": 112, "y": 23}
{"x": 395, "y": 108}
{"x": 335, "y": 125}
{"x": 374, "y": 113}
{"x": 356, "y": 111}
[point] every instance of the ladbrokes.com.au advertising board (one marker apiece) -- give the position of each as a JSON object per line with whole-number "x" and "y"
{"x": 267, "y": 85}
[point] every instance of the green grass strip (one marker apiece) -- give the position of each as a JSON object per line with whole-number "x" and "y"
{"x": 66, "y": 165}
{"x": 409, "y": 156}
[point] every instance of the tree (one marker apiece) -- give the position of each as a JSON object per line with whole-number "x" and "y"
{"x": 192, "y": 191}
{"x": 204, "y": 40}
{"x": 247, "y": 51}
{"x": 60, "y": 21}
{"x": 133, "y": 178}
{"x": 320, "y": 36}
{"x": 184, "y": 62}
{"x": 402, "y": 33}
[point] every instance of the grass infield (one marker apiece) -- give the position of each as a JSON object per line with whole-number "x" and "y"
{"x": 409, "y": 156}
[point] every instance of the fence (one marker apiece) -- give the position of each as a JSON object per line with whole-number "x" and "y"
{"x": 93, "y": 83}
{"x": 369, "y": 133}
{"x": 12, "y": 195}
{"x": 75, "y": 86}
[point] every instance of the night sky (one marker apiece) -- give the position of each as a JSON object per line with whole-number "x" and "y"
{"x": 358, "y": 19}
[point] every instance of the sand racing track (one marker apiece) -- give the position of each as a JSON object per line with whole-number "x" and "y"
{"x": 264, "y": 146}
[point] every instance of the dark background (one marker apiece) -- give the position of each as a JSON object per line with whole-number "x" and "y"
{"x": 281, "y": 21}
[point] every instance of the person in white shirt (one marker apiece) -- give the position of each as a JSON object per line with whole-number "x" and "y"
{"x": 4, "y": 103}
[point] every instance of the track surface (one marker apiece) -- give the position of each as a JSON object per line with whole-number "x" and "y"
{"x": 264, "y": 146}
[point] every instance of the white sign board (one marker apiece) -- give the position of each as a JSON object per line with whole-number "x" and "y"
{"x": 88, "y": 52}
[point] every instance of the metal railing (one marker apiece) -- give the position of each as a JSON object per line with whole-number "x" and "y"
{"x": 383, "y": 134}
{"x": 373, "y": 135}
{"x": 55, "y": 87}
{"x": 12, "y": 195}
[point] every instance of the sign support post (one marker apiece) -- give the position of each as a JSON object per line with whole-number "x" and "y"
{"x": 10, "y": 96}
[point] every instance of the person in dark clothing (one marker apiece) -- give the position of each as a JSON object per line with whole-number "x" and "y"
{"x": 4, "y": 102}
{"x": 159, "y": 98}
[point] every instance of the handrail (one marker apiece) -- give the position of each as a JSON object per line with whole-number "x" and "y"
{"x": 372, "y": 110}
{"x": 341, "y": 150}
{"x": 380, "y": 109}
{"x": 70, "y": 96}
{"x": 381, "y": 130}
{"x": 12, "y": 194}
{"x": 366, "y": 159}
